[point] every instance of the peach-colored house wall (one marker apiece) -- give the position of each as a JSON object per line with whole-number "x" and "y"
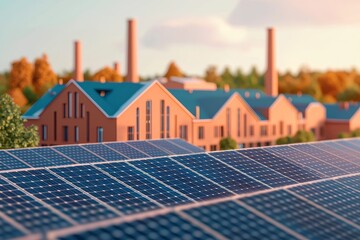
{"x": 314, "y": 120}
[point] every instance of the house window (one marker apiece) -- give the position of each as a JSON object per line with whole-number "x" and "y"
{"x": 213, "y": 147}
{"x": 201, "y": 133}
{"x": 148, "y": 119}
{"x": 251, "y": 130}
{"x": 131, "y": 133}
{"x": 263, "y": 130}
{"x": 82, "y": 110}
{"x": 88, "y": 126}
{"x": 238, "y": 122}
{"x": 228, "y": 121}
{"x": 65, "y": 133}
{"x": 137, "y": 123}
{"x": 69, "y": 105}
{"x": 100, "y": 134}
{"x": 64, "y": 110}
{"x": 281, "y": 128}
{"x": 322, "y": 131}
{"x": 184, "y": 132}
{"x": 216, "y": 131}
{"x": 76, "y": 134}
{"x": 55, "y": 126}
{"x": 245, "y": 125}
{"x": 76, "y": 102}
{"x": 168, "y": 122}
{"x": 222, "y": 131}
{"x": 274, "y": 129}
{"x": 289, "y": 130}
{"x": 44, "y": 132}
{"x": 162, "y": 119}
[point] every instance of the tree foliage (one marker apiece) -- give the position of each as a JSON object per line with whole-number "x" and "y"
{"x": 173, "y": 71}
{"x": 109, "y": 74}
{"x": 354, "y": 133}
{"x": 13, "y": 133}
{"x": 43, "y": 76}
{"x": 228, "y": 143}
{"x": 211, "y": 75}
{"x": 21, "y": 74}
{"x": 299, "y": 137}
{"x": 18, "y": 96}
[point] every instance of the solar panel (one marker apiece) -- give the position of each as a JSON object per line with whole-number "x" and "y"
{"x": 328, "y": 157}
{"x": 253, "y": 168}
{"x": 181, "y": 178}
{"x": 222, "y": 174}
{"x": 186, "y": 145}
{"x": 28, "y": 211}
{"x": 348, "y": 155}
{"x": 350, "y": 145}
{"x": 301, "y": 217}
{"x": 144, "y": 183}
{"x": 333, "y": 196}
{"x": 279, "y": 164}
{"x": 60, "y": 195}
{"x": 336, "y": 145}
{"x": 78, "y": 154}
{"x": 52, "y": 155}
{"x": 31, "y": 158}
{"x": 3, "y": 167}
{"x": 169, "y": 146}
{"x": 302, "y": 158}
{"x": 148, "y": 148}
{"x": 106, "y": 189}
{"x": 127, "y": 150}
{"x": 353, "y": 182}
{"x": 104, "y": 151}
{"x": 8, "y": 231}
{"x": 170, "y": 226}
{"x": 235, "y": 222}
{"x": 11, "y": 162}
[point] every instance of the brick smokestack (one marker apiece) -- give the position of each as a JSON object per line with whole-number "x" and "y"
{"x": 132, "y": 69}
{"x": 117, "y": 67}
{"x": 271, "y": 77}
{"x": 78, "y": 75}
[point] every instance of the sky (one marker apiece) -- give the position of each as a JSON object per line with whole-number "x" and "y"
{"x": 320, "y": 35}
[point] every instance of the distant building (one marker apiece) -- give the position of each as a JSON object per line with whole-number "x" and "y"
{"x": 188, "y": 83}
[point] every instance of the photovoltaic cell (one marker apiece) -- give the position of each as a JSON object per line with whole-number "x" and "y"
{"x": 235, "y": 222}
{"x": 127, "y": 150}
{"x": 301, "y": 217}
{"x": 148, "y": 148}
{"x": 106, "y": 189}
{"x": 28, "y": 211}
{"x": 352, "y": 152}
{"x": 169, "y": 146}
{"x": 350, "y": 145}
{"x": 220, "y": 173}
{"x": 31, "y": 158}
{"x": 53, "y": 156}
{"x": 353, "y": 182}
{"x": 105, "y": 152}
{"x": 328, "y": 157}
{"x": 354, "y": 158}
{"x": 8, "y": 231}
{"x": 144, "y": 184}
{"x": 253, "y": 168}
{"x": 10, "y": 162}
{"x": 302, "y": 158}
{"x": 169, "y": 226}
{"x": 60, "y": 195}
{"x": 186, "y": 145}
{"x": 333, "y": 196}
{"x": 181, "y": 178}
{"x": 78, "y": 154}
{"x": 286, "y": 168}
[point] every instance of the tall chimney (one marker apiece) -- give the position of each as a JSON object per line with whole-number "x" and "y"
{"x": 117, "y": 67}
{"x": 271, "y": 77}
{"x": 78, "y": 75}
{"x": 132, "y": 71}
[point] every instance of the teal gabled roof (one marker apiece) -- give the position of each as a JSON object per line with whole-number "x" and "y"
{"x": 117, "y": 96}
{"x": 337, "y": 112}
{"x": 301, "y": 102}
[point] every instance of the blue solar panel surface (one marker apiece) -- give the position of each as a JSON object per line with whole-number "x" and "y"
{"x": 104, "y": 151}
{"x": 148, "y": 148}
{"x": 353, "y": 182}
{"x": 170, "y": 147}
{"x": 186, "y": 145}
{"x": 8, "y": 231}
{"x": 79, "y": 154}
{"x": 127, "y": 150}
{"x": 52, "y": 155}
{"x": 31, "y": 158}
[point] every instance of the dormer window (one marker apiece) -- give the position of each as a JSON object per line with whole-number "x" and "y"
{"x": 103, "y": 92}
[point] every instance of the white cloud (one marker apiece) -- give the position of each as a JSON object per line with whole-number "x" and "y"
{"x": 209, "y": 31}
{"x": 264, "y": 13}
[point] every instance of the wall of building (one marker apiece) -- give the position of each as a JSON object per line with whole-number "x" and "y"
{"x": 334, "y": 128}
{"x": 84, "y": 116}
{"x": 314, "y": 120}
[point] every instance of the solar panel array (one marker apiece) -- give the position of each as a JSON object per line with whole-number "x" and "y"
{"x": 283, "y": 192}
{"x": 89, "y": 153}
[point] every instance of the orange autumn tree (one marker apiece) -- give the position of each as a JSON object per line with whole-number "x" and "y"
{"x": 43, "y": 76}
{"x": 173, "y": 71}
{"x": 109, "y": 74}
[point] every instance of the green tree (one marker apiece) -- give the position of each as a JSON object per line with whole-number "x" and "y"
{"x": 13, "y": 133}
{"x": 211, "y": 75}
{"x": 284, "y": 140}
{"x": 239, "y": 78}
{"x": 228, "y": 143}
{"x": 303, "y": 136}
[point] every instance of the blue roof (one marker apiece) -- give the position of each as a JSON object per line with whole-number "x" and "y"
{"x": 36, "y": 109}
{"x": 210, "y": 101}
{"x": 117, "y": 96}
{"x": 301, "y": 102}
{"x": 336, "y": 112}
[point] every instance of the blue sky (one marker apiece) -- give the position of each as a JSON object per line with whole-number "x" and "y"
{"x": 319, "y": 34}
